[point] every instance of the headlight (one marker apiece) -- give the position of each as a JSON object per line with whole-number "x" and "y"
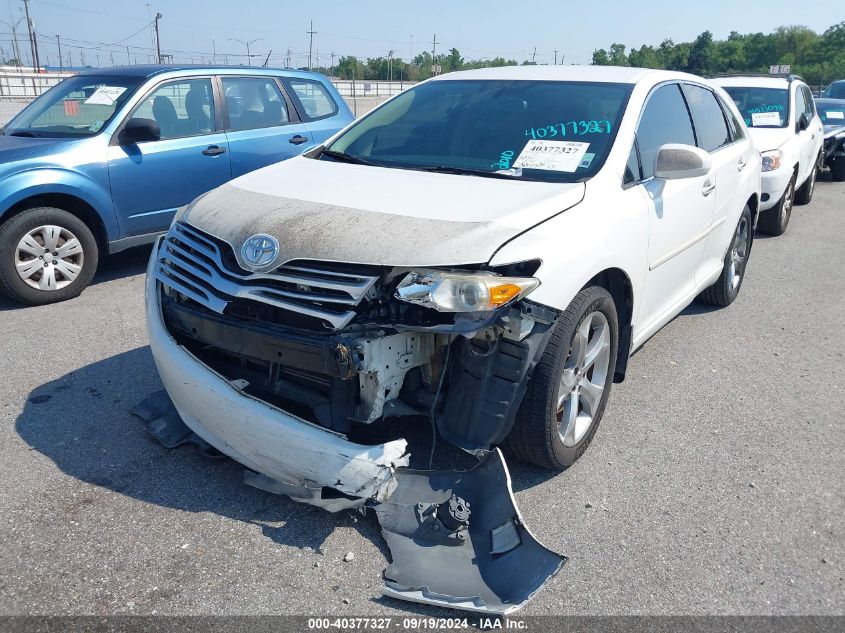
{"x": 462, "y": 292}
{"x": 772, "y": 159}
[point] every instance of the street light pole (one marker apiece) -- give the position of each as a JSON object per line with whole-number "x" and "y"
{"x": 311, "y": 33}
{"x": 158, "y": 38}
{"x": 247, "y": 44}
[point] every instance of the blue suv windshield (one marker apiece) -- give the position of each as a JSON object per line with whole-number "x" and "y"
{"x": 78, "y": 106}
{"x": 550, "y": 131}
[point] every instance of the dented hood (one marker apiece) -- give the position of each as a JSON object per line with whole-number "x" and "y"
{"x": 333, "y": 211}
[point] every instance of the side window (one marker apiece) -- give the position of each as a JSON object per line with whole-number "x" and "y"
{"x": 664, "y": 120}
{"x": 710, "y": 127}
{"x": 633, "y": 173}
{"x": 800, "y": 102}
{"x": 808, "y": 99}
{"x": 315, "y": 99}
{"x": 181, "y": 108}
{"x": 734, "y": 127}
{"x": 254, "y": 102}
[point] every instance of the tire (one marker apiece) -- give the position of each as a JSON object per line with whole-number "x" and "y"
{"x": 775, "y": 220}
{"x": 837, "y": 169}
{"x": 536, "y": 437}
{"x": 726, "y": 288}
{"x": 22, "y": 238}
{"x": 805, "y": 192}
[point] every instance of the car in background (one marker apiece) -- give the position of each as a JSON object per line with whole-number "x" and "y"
{"x": 832, "y": 113}
{"x": 102, "y": 161}
{"x": 783, "y": 123}
{"x": 836, "y": 90}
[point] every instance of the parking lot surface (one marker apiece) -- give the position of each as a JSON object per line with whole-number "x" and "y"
{"x": 714, "y": 485}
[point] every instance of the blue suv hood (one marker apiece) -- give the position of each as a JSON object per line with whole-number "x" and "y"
{"x": 14, "y": 148}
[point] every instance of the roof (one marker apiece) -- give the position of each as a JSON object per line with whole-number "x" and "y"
{"x": 148, "y": 70}
{"x": 603, "y": 74}
{"x": 753, "y": 82}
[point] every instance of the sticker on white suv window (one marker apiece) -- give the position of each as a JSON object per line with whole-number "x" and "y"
{"x": 105, "y": 95}
{"x": 765, "y": 118}
{"x": 833, "y": 114}
{"x": 552, "y": 155}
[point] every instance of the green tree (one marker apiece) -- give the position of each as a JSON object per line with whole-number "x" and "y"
{"x": 601, "y": 58}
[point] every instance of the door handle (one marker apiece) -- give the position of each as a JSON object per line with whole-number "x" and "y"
{"x": 741, "y": 165}
{"x": 708, "y": 188}
{"x": 297, "y": 140}
{"x": 214, "y": 150}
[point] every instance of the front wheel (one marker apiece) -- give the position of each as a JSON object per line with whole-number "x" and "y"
{"x": 726, "y": 288}
{"x": 567, "y": 393}
{"x": 46, "y": 255}
{"x": 775, "y": 220}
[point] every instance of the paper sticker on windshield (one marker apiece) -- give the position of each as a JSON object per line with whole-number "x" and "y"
{"x": 586, "y": 161}
{"x": 105, "y": 95}
{"x": 552, "y": 155}
{"x": 765, "y": 118}
{"x": 833, "y": 114}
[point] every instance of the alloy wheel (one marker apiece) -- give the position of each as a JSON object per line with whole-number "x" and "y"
{"x": 739, "y": 252}
{"x": 584, "y": 378}
{"x": 49, "y": 258}
{"x": 788, "y": 199}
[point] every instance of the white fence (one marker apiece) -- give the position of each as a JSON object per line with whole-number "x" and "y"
{"x": 26, "y": 84}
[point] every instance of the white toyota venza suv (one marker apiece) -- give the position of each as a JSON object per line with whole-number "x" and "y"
{"x": 783, "y": 123}
{"x": 482, "y": 254}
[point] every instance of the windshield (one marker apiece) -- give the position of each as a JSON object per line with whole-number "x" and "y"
{"x": 832, "y": 112}
{"x": 78, "y": 106}
{"x": 761, "y": 107}
{"x": 836, "y": 90}
{"x": 550, "y": 131}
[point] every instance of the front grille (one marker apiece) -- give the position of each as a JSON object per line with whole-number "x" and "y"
{"x": 204, "y": 269}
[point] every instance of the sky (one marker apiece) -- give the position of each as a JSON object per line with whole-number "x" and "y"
{"x": 192, "y": 29}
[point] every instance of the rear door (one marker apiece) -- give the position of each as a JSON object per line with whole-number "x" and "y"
{"x": 150, "y": 180}
{"x": 262, "y": 126}
{"x": 680, "y": 212}
{"x": 731, "y": 155}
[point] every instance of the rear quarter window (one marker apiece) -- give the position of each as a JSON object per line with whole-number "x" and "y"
{"x": 315, "y": 100}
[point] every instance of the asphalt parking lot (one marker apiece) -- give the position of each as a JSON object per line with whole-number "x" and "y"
{"x": 714, "y": 486}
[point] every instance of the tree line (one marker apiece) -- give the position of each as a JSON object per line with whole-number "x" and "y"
{"x": 819, "y": 58}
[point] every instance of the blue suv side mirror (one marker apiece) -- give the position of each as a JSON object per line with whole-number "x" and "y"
{"x": 138, "y": 130}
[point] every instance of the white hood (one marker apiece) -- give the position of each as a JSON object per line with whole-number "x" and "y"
{"x": 766, "y": 139}
{"x": 372, "y": 215}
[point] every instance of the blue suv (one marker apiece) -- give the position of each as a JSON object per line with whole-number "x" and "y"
{"x": 103, "y": 160}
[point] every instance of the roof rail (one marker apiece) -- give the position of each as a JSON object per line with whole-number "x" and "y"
{"x": 789, "y": 77}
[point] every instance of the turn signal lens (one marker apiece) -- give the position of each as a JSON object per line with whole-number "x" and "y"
{"x": 772, "y": 160}
{"x": 463, "y": 292}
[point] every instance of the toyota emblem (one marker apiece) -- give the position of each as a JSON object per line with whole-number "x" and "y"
{"x": 259, "y": 252}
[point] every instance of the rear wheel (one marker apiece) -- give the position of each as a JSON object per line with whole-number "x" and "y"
{"x": 805, "y": 192}
{"x": 837, "y": 169}
{"x": 569, "y": 388}
{"x": 46, "y": 255}
{"x": 775, "y": 220}
{"x": 726, "y": 288}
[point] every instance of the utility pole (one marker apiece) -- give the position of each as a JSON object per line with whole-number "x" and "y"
{"x": 534, "y": 56}
{"x": 59, "y": 44}
{"x": 214, "y": 48}
{"x": 32, "y": 43}
{"x": 128, "y": 60}
{"x": 434, "y": 55}
{"x": 390, "y": 65}
{"x": 267, "y": 59}
{"x": 111, "y": 55}
{"x": 311, "y": 32}
{"x": 555, "y": 58}
{"x": 287, "y": 58}
{"x": 158, "y": 38}
{"x": 331, "y": 70}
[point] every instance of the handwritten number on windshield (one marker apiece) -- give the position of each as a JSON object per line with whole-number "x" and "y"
{"x": 576, "y": 128}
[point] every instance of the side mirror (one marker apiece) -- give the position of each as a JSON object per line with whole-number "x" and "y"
{"x": 803, "y": 122}
{"x": 138, "y": 130}
{"x": 674, "y": 161}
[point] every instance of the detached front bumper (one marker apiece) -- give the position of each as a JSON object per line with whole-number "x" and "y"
{"x": 773, "y": 186}
{"x": 278, "y": 445}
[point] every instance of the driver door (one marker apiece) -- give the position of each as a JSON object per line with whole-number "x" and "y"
{"x": 151, "y": 180}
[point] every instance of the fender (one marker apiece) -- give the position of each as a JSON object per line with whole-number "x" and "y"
{"x": 41, "y": 181}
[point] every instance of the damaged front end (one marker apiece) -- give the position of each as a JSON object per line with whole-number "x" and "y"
{"x": 279, "y": 369}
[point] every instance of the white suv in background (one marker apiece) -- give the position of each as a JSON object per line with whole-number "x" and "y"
{"x": 784, "y": 125}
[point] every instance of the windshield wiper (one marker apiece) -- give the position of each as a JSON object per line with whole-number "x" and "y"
{"x": 346, "y": 158}
{"x": 25, "y": 133}
{"x": 470, "y": 172}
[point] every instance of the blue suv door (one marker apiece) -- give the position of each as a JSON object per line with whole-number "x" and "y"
{"x": 262, "y": 126}
{"x": 150, "y": 180}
